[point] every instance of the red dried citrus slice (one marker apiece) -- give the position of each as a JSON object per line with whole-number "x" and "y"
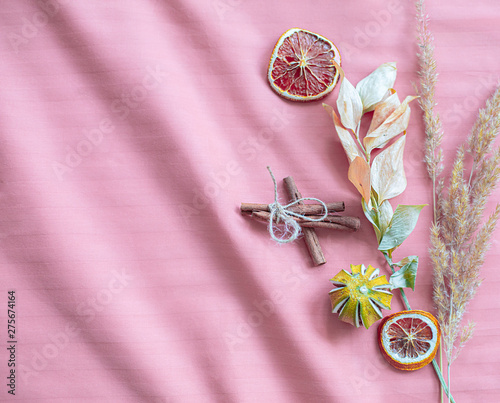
{"x": 304, "y": 66}
{"x": 409, "y": 339}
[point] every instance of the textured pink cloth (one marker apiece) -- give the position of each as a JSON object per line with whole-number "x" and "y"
{"x": 131, "y": 131}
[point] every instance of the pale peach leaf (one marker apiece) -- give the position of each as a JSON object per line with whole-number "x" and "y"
{"x": 345, "y": 136}
{"x": 384, "y": 109}
{"x": 349, "y": 105}
{"x": 396, "y": 123}
{"x": 388, "y": 178}
{"x": 374, "y": 87}
{"x": 359, "y": 175}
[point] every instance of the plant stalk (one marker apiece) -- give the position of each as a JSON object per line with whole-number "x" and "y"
{"x": 434, "y": 209}
{"x": 449, "y": 379}
{"x": 441, "y": 366}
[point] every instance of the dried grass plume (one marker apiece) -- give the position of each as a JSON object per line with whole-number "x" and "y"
{"x": 460, "y": 234}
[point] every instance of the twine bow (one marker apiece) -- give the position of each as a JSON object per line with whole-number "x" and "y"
{"x": 279, "y": 213}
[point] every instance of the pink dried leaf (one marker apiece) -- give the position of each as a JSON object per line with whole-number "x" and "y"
{"x": 345, "y": 136}
{"x": 359, "y": 175}
{"x": 396, "y": 123}
{"x": 384, "y": 109}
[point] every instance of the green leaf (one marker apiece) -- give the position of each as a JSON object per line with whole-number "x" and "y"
{"x": 405, "y": 261}
{"x": 371, "y": 215}
{"x": 380, "y": 218}
{"x": 405, "y": 277}
{"x": 402, "y": 224}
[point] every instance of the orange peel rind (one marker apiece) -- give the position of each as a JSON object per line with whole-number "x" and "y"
{"x": 360, "y": 295}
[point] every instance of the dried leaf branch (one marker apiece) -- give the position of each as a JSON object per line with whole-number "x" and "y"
{"x": 460, "y": 235}
{"x": 382, "y": 178}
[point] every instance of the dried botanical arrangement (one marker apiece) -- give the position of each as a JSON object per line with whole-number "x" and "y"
{"x": 409, "y": 339}
{"x": 460, "y": 234}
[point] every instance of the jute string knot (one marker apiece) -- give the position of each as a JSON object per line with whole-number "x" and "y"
{"x": 281, "y": 214}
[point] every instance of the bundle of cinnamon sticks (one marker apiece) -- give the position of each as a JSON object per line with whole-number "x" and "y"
{"x": 262, "y": 212}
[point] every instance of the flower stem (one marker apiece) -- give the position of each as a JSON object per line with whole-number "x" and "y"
{"x": 434, "y": 206}
{"x": 472, "y": 171}
{"x": 434, "y": 362}
{"x": 360, "y": 145}
{"x": 449, "y": 380}
{"x": 441, "y": 366}
{"x": 441, "y": 379}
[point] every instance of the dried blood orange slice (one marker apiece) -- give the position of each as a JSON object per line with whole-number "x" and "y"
{"x": 409, "y": 339}
{"x": 304, "y": 66}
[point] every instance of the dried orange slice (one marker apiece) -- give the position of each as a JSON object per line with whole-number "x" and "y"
{"x": 409, "y": 339}
{"x": 360, "y": 295}
{"x": 304, "y": 66}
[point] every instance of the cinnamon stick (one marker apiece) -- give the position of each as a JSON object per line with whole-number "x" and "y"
{"x": 304, "y": 209}
{"x": 323, "y": 224}
{"x": 350, "y": 223}
{"x": 310, "y": 236}
{"x": 332, "y": 222}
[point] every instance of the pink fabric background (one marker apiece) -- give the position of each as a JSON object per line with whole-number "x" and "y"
{"x": 131, "y": 131}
